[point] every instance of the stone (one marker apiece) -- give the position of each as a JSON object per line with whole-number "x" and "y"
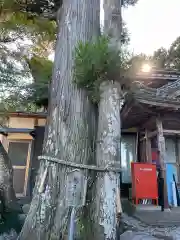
{"x": 130, "y": 235}
{"x": 175, "y": 234}
{"x": 26, "y": 208}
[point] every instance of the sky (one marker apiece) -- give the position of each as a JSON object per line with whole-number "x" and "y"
{"x": 152, "y": 24}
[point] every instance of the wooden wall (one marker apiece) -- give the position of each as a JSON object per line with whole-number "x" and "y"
{"x": 21, "y": 122}
{"x": 34, "y": 123}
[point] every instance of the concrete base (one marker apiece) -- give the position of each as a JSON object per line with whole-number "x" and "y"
{"x": 128, "y": 207}
{"x": 152, "y": 215}
{"x": 146, "y": 207}
{"x": 167, "y": 210}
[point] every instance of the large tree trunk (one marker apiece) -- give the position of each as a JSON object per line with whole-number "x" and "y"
{"x": 70, "y": 130}
{"x": 108, "y": 153}
{"x": 109, "y": 134}
{"x": 7, "y": 192}
{"x": 113, "y": 21}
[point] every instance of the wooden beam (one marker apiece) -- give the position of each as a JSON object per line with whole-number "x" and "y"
{"x": 171, "y": 132}
{"x": 156, "y": 103}
{"x": 150, "y": 135}
{"x": 177, "y": 156}
{"x": 162, "y": 154}
{"x": 127, "y": 112}
{"x": 148, "y": 148}
{"x": 171, "y": 115}
{"x": 27, "y": 168}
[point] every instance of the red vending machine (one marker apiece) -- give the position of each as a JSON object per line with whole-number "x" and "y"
{"x": 144, "y": 182}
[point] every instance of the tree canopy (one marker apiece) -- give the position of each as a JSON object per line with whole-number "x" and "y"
{"x": 27, "y": 38}
{"x": 32, "y": 21}
{"x": 44, "y": 8}
{"x": 161, "y": 58}
{"x": 34, "y": 61}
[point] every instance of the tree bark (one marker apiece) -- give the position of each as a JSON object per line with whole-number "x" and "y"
{"x": 109, "y": 134}
{"x": 162, "y": 155}
{"x": 70, "y": 131}
{"x": 113, "y": 21}
{"x": 108, "y": 153}
{"x": 7, "y": 192}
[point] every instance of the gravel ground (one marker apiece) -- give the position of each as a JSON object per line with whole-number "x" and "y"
{"x": 131, "y": 229}
{"x": 136, "y": 230}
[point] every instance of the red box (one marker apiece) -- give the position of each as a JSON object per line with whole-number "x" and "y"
{"x": 144, "y": 182}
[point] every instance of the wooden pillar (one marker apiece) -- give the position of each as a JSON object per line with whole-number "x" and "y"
{"x": 162, "y": 154}
{"x": 148, "y": 147}
{"x": 178, "y": 157}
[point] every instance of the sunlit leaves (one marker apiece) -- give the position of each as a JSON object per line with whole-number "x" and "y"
{"x": 30, "y": 27}
{"x": 41, "y": 69}
{"x": 35, "y": 7}
{"x": 160, "y": 58}
{"x": 173, "y": 58}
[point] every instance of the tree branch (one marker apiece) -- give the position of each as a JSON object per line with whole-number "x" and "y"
{"x": 8, "y": 39}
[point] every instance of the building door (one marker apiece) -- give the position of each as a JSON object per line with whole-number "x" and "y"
{"x": 128, "y": 155}
{"x": 19, "y": 153}
{"x": 171, "y": 166}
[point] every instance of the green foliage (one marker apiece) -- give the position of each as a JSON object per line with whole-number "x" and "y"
{"x": 161, "y": 59}
{"x": 35, "y": 20}
{"x": 18, "y": 101}
{"x": 127, "y": 3}
{"x": 125, "y": 39}
{"x": 173, "y": 57}
{"x": 26, "y": 20}
{"x": 36, "y": 93}
{"x": 96, "y": 62}
{"x": 21, "y": 94}
{"x": 30, "y": 27}
{"x": 41, "y": 69}
{"x": 35, "y": 7}
{"x": 135, "y": 63}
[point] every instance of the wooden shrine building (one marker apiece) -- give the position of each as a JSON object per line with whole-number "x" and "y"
{"x": 22, "y": 137}
{"x": 150, "y": 132}
{"x": 151, "y": 116}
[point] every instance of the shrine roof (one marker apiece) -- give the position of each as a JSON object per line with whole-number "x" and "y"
{"x": 146, "y": 99}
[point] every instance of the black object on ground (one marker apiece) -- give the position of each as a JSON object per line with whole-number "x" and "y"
{"x": 161, "y": 192}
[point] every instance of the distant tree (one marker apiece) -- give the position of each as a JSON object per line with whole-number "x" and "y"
{"x": 127, "y": 3}
{"x": 173, "y": 58}
{"x": 160, "y": 57}
{"x": 41, "y": 70}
